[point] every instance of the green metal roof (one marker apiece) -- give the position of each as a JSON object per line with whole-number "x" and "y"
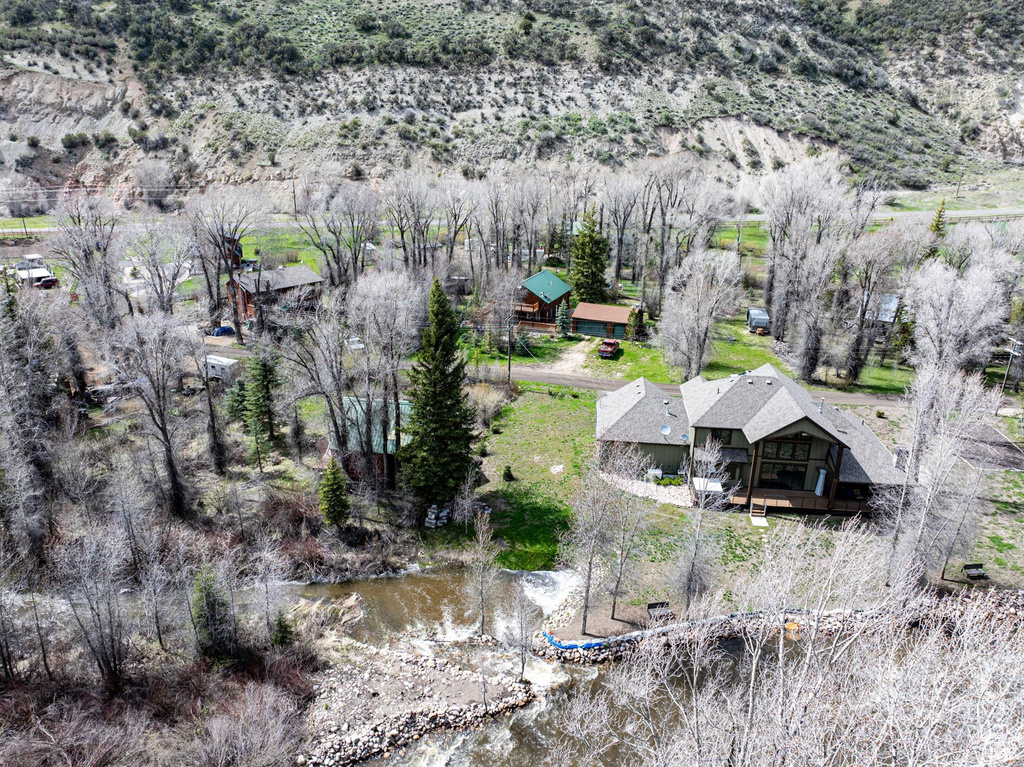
{"x": 355, "y": 417}
{"x": 546, "y": 285}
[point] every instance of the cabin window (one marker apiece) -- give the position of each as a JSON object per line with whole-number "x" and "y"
{"x": 722, "y": 436}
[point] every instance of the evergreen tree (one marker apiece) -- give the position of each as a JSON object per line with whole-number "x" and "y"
{"x": 261, "y": 372}
{"x": 333, "y": 496}
{"x": 563, "y": 320}
{"x": 437, "y": 458}
{"x": 234, "y": 401}
{"x": 938, "y": 229}
{"x": 283, "y": 634}
{"x": 635, "y": 326}
{"x": 212, "y": 617}
{"x": 259, "y": 444}
{"x": 589, "y": 260}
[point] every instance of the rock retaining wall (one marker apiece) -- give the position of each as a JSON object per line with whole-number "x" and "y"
{"x": 1001, "y": 605}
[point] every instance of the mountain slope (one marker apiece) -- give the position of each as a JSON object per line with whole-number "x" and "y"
{"x": 907, "y": 92}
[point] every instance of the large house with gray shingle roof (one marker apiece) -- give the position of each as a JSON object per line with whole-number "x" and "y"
{"x": 782, "y": 449}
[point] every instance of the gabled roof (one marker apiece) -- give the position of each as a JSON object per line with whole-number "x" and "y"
{"x": 759, "y": 403}
{"x": 618, "y": 315}
{"x": 547, "y": 286}
{"x": 636, "y": 412}
{"x": 866, "y": 461}
{"x": 279, "y": 279}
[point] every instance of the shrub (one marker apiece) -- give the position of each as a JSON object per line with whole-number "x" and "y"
{"x": 507, "y": 474}
{"x": 32, "y": 141}
{"x": 282, "y": 634}
{"x": 74, "y": 140}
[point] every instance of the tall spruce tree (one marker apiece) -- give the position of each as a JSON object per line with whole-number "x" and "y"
{"x": 333, "y": 496}
{"x": 262, "y": 381}
{"x": 589, "y": 260}
{"x": 437, "y": 459}
{"x": 563, "y": 320}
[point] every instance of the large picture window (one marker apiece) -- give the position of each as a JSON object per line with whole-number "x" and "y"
{"x": 783, "y": 476}
{"x": 787, "y": 450}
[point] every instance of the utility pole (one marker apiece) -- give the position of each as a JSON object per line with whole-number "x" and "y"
{"x": 510, "y": 328}
{"x": 1014, "y": 352}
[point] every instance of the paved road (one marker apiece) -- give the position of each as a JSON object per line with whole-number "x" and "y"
{"x": 752, "y": 218}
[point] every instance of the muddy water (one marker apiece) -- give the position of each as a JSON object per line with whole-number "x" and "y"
{"x": 427, "y": 611}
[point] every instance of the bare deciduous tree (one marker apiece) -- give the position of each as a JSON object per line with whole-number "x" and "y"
{"x": 87, "y": 244}
{"x": 161, "y": 254}
{"x": 483, "y": 572}
{"x": 957, "y": 317}
{"x": 701, "y": 291}
{"x": 221, "y": 218}
{"x": 93, "y": 585}
{"x": 150, "y": 353}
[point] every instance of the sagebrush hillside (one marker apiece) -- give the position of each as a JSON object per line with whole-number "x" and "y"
{"x": 911, "y": 92}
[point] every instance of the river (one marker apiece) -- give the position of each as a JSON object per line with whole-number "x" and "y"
{"x": 426, "y": 611}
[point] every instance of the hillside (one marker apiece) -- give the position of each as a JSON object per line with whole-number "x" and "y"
{"x": 908, "y": 92}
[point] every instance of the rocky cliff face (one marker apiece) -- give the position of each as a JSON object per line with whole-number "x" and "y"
{"x": 366, "y": 121}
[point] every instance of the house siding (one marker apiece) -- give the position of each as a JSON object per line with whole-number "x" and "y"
{"x": 665, "y": 457}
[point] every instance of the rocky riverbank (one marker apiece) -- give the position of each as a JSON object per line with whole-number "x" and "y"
{"x": 382, "y": 700}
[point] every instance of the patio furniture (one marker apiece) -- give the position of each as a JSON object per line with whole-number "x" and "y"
{"x": 975, "y": 571}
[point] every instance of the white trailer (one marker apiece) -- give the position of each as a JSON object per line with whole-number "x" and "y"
{"x": 219, "y": 367}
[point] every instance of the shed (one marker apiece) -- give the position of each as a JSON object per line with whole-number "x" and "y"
{"x": 757, "y": 317}
{"x": 602, "y": 320}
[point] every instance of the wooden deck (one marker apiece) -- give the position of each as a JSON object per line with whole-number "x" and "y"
{"x": 544, "y": 327}
{"x": 794, "y": 500}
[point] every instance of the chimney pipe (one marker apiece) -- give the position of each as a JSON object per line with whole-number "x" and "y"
{"x": 821, "y": 405}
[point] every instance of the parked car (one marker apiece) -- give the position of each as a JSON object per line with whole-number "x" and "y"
{"x": 608, "y": 348}
{"x": 223, "y": 330}
{"x": 757, "y": 320}
{"x": 48, "y": 282}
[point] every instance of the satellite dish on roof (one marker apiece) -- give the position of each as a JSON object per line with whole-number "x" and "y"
{"x": 666, "y": 430}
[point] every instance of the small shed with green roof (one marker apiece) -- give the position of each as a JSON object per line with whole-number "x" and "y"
{"x": 542, "y": 294}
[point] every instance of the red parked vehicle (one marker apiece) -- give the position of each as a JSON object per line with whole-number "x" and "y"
{"x": 608, "y": 349}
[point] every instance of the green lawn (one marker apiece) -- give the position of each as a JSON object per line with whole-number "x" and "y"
{"x": 15, "y": 225}
{"x": 544, "y": 428}
{"x": 753, "y": 237}
{"x": 736, "y": 350}
{"x": 291, "y": 246}
{"x": 539, "y": 348}
{"x": 631, "y": 362}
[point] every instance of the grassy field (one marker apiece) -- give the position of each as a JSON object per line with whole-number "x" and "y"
{"x": 545, "y": 428}
{"x": 541, "y": 348}
{"x": 1000, "y": 543}
{"x": 631, "y": 362}
{"x": 736, "y": 350}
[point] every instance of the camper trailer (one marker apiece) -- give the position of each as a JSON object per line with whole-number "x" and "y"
{"x": 219, "y": 367}
{"x": 757, "y": 320}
